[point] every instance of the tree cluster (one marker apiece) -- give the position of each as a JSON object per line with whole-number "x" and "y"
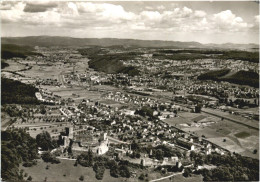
{"x": 48, "y": 157}
{"x": 16, "y": 146}
{"x": 100, "y": 163}
{"x": 145, "y": 111}
{"x": 45, "y": 141}
{"x": 229, "y": 168}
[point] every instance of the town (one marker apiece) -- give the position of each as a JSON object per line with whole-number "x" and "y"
{"x": 160, "y": 121}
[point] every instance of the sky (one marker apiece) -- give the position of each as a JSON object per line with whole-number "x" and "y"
{"x": 200, "y": 21}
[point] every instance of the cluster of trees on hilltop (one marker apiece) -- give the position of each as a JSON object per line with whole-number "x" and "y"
{"x": 16, "y": 146}
{"x": 15, "y": 92}
{"x": 109, "y": 63}
{"x": 9, "y": 51}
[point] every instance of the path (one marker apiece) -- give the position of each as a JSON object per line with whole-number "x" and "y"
{"x": 116, "y": 140}
{"x": 175, "y": 174}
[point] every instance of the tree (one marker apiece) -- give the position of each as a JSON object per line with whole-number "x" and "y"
{"x": 48, "y": 157}
{"x": 29, "y": 178}
{"x": 42, "y": 109}
{"x": 99, "y": 168}
{"x": 141, "y": 177}
{"x": 114, "y": 171}
{"x": 197, "y": 108}
{"x": 187, "y": 172}
{"x": 44, "y": 141}
{"x": 135, "y": 146}
{"x": 86, "y": 159}
{"x": 81, "y": 178}
{"x": 124, "y": 171}
{"x": 158, "y": 154}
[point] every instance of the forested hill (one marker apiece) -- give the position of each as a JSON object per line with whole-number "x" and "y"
{"x": 11, "y": 50}
{"x": 15, "y": 92}
{"x": 241, "y": 77}
{"x": 108, "y": 63}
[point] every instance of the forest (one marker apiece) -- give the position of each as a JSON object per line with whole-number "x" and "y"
{"x": 229, "y": 167}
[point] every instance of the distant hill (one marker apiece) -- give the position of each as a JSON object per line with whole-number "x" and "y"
{"x": 106, "y": 42}
{"x": 249, "y": 78}
{"x": 11, "y": 50}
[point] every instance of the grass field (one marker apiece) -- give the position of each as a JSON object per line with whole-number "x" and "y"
{"x": 181, "y": 178}
{"x": 14, "y": 66}
{"x": 38, "y": 127}
{"x": 183, "y": 117}
{"x": 239, "y": 139}
{"x": 65, "y": 172}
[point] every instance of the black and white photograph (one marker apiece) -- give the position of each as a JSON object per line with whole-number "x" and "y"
{"x": 129, "y": 91}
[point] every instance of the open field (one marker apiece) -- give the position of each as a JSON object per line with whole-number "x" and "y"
{"x": 186, "y": 118}
{"x": 181, "y": 178}
{"x": 239, "y": 139}
{"x": 44, "y": 72}
{"x": 112, "y": 103}
{"x": 14, "y": 66}
{"x": 80, "y": 93}
{"x": 65, "y": 171}
{"x": 35, "y": 128}
{"x": 240, "y": 119}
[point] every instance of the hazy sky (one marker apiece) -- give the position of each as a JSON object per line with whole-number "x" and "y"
{"x": 205, "y": 22}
